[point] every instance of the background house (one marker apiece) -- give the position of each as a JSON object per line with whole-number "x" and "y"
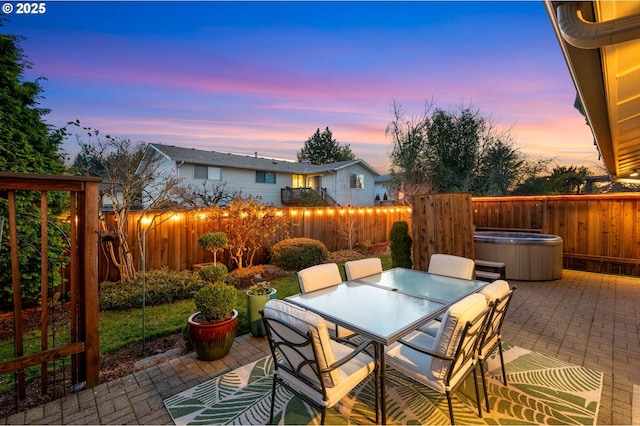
{"x": 278, "y": 182}
{"x": 382, "y": 188}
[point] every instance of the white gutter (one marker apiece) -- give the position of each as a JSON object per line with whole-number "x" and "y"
{"x": 592, "y": 35}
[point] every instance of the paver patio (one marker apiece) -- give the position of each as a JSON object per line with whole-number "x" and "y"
{"x": 585, "y": 318}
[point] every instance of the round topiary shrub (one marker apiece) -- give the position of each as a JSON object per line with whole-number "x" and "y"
{"x": 216, "y": 302}
{"x": 294, "y": 254}
{"x": 213, "y": 273}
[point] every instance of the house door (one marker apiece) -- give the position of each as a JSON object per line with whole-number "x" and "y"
{"x": 313, "y": 182}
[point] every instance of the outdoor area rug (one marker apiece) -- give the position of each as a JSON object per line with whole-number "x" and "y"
{"x": 541, "y": 390}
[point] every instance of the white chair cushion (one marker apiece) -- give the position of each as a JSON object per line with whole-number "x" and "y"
{"x": 452, "y": 266}
{"x": 319, "y": 276}
{"x": 416, "y": 365}
{"x": 306, "y": 321}
{"x": 351, "y": 374}
{"x": 355, "y": 269}
{"x": 428, "y": 369}
{"x": 412, "y": 363}
{"x": 453, "y": 322}
{"x": 495, "y": 290}
{"x": 431, "y": 328}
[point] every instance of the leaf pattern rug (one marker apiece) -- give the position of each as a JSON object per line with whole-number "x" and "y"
{"x": 541, "y": 390}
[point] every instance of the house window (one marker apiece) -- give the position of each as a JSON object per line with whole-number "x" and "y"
{"x": 356, "y": 181}
{"x": 205, "y": 172}
{"x": 265, "y": 177}
{"x": 297, "y": 181}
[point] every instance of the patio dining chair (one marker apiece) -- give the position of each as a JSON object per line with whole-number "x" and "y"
{"x": 499, "y": 293}
{"x": 314, "y": 367}
{"x": 444, "y": 362}
{"x": 318, "y": 277}
{"x": 451, "y": 266}
{"x": 355, "y": 269}
{"x": 322, "y": 276}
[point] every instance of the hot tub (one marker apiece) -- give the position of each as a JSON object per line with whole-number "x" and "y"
{"x": 527, "y": 256}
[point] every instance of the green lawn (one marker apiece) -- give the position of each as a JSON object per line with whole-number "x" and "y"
{"x": 121, "y": 328}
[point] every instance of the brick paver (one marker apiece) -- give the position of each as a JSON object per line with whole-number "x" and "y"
{"x": 585, "y": 318}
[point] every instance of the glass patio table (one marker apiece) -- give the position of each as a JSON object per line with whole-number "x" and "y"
{"x": 387, "y": 306}
{"x": 425, "y": 285}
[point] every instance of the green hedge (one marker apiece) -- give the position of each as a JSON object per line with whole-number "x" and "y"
{"x": 162, "y": 286}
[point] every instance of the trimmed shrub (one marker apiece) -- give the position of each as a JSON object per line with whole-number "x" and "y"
{"x": 162, "y": 286}
{"x": 213, "y": 241}
{"x": 213, "y": 273}
{"x": 215, "y": 302}
{"x": 294, "y": 254}
{"x": 400, "y": 245}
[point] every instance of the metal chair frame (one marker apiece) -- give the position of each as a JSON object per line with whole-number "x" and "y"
{"x": 493, "y": 329}
{"x": 465, "y": 355}
{"x": 284, "y": 362}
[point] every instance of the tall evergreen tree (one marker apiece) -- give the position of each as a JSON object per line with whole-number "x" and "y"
{"x": 322, "y": 148}
{"x": 27, "y": 145}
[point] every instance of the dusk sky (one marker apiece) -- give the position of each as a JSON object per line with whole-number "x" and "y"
{"x": 263, "y": 76}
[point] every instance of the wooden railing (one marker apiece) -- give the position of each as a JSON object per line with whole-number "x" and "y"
{"x": 82, "y": 346}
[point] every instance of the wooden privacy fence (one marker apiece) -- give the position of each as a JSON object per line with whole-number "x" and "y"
{"x": 173, "y": 242}
{"x": 79, "y": 321}
{"x": 601, "y": 233}
{"x": 441, "y": 224}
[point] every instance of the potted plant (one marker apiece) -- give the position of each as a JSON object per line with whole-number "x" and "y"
{"x": 257, "y": 296}
{"x": 213, "y": 327}
{"x": 213, "y": 242}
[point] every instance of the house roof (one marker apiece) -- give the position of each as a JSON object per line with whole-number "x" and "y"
{"x": 600, "y": 40}
{"x": 253, "y": 162}
{"x": 384, "y": 178}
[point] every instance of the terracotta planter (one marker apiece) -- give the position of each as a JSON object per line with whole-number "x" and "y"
{"x": 212, "y": 341}
{"x": 254, "y": 304}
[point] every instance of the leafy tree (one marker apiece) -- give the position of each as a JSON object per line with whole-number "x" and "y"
{"x": 497, "y": 169}
{"x": 322, "y": 148}
{"x": 437, "y": 151}
{"x": 130, "y": 180}
{"x": 561, "y": 180}
{"x": 249, "y": 225}
{"x": 567, "y": 180}
{"x": 410, "y": 174}
{"x": 215, "y": 194}
{"x": 28, "y": 145}
{"x": 453, "y": 142}
{"x": 453, "y": 151}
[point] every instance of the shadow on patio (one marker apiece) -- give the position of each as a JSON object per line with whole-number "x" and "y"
{"x": 585, "y": 318}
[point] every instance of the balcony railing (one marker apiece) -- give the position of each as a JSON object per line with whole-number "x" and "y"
{"x": 292, "y": 196}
